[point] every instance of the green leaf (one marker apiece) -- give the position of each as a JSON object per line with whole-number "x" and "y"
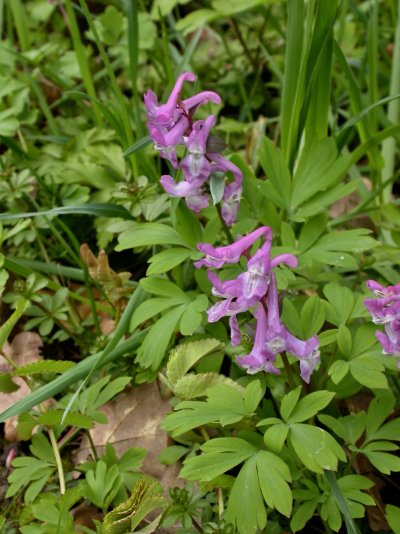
{"x": 193, "y": 385}
{"x": 315, "y": 160}
{"x": 384, "y": 462}
{"x": 341, "y": 503}
{"x": 167, "y": 259}
{"x": 151, "y": 353}
{"x": 342, "y": 302}
{"x": 289, "y": 401}
{"x": 368, "y": 371}
{"x": 224, "y": 405}
{"x": 43, "y": 367}
{"x": 148, "y": 234}
{"x": 276, "y": 170}
{"x": 344, "y": 341}
{"x": 315, "y": 447}
{"x": 310, "y": 406}
{"x": 338, "y": 370}
{"x": 6, "y": 383}
{"x": 172, "y": 454}
{"x": 54, "y": 417}
{"x": 188, "y": 226}
{"x": 379, "y": 409}
{"x": 186, "y": 355}
{"x": 162, "y": 287}
{"x": 195, "y": 19}
{"x": 312, "y": 316}
{"x": 392, "y": 514}
{"x": 275, "y": 437}
{"x": 219, "y": 456}
{"x": 149, "y": 308}
{"x": 193, "y": 315}
{"x": 303, "y": 514}
{"x": 253, "y": 394}
{"x": 246, "y": 509}
{"x": 273, "y": 475}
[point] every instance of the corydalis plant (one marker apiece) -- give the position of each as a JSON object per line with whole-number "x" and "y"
{"x": 171, "y": 125}
{"x": 255, "y": 290}
{"x": 385, "y": 310}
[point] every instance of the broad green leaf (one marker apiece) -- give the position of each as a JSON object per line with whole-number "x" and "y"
{"x": 384, "y": 462}
{"x": 187, "y": 225}
{"x": 353, "y": 241}
{"x": 275, "y": 437}
{"x": 273, "y": 475}
{"x": 162, "y": 287}
{"x": 6, "y": 383}
{"x": 246, "y": 509}
{"x": 315, "y": 161}
{"x": 379, "y": 409}
{"x": 303, "y": 514}
{"x": 155, "y": 344}
{"x": 148, "y": 234}
{"x": 344, "y": 341}
{"x": 225, "y": 454}
{"x": 167, "y": 259}
{"x": 193, "y": 385}
{"x": 312, "y": 316}
{"x": 392, "y": 514}
{"x": 315, "y": 447}
{"x": 193, "y": 315}
{"x": 276, "y": 170}
{"x": 184, "y": 356}
{"x": 311, "y": 231}
{"x": 310, "y": 405}
{"x": 195, "y": 19}
{"x": 369, "y": 372}
{"x": 338, "y": 370}
{"x": 54, "y": 417}
{"x": 342, "y": 302}
{"x": 253, "y": 394}
{"x": 289, "y": 401}
{"x": 224, "y": 405}
{"x": 150, "y": 308}
{"x": 172, "y": 454}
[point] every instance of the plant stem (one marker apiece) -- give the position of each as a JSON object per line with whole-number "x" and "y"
{"x": 57, "y": 457}
{"x": 224, "y": 226}
{"x": 92, "y": 445}
{"x": 288, "y": 370}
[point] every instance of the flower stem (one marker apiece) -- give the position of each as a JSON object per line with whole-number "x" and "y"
{"x": 224, "y": 226}
{"x": 288, "y": 370}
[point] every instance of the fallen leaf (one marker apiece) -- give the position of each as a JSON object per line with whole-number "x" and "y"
{"x": 134, "y": 419}
{"x": 24, "y": 349}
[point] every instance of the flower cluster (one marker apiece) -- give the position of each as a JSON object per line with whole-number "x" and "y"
{"x": 256, "y": 290}
{"x": 170, "y": 125}
{"x": 385, "y": 310}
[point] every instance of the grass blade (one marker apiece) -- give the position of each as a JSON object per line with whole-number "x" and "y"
{"x": 340, "y": 500}
{"x": 97, "y": 210}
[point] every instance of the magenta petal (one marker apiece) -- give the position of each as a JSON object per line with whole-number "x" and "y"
{"x": 218, "y": 310}
{"x": 201, "y": 98}
{"x": 198, "y": 201}
{"x": 287, "y": 259}
{"x": 235, "y": 331}
{"x": 218, "y": 256}
{"x": 180, "y": 189}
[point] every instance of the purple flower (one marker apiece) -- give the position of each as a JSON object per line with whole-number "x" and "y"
{"x": 194, "y": 197}
{"x": 217, "y": 256}
{"x": 196, "y": 164}
{"x": 385, "y": 310}
{"x": 272, "y": 337}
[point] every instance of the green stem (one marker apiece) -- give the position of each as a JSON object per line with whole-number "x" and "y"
{"x": 288, "y": 369}
{"x": 57, "y": 457}
{"x": 389, "y": 145}
{"x": 224, "y": 226}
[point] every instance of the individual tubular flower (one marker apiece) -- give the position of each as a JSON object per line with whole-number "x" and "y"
{"x": 217, "y": 256}
{"x": 274, "y": 338}
{"x": 233, "y": 190}
{"x": 385, "y": 310}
